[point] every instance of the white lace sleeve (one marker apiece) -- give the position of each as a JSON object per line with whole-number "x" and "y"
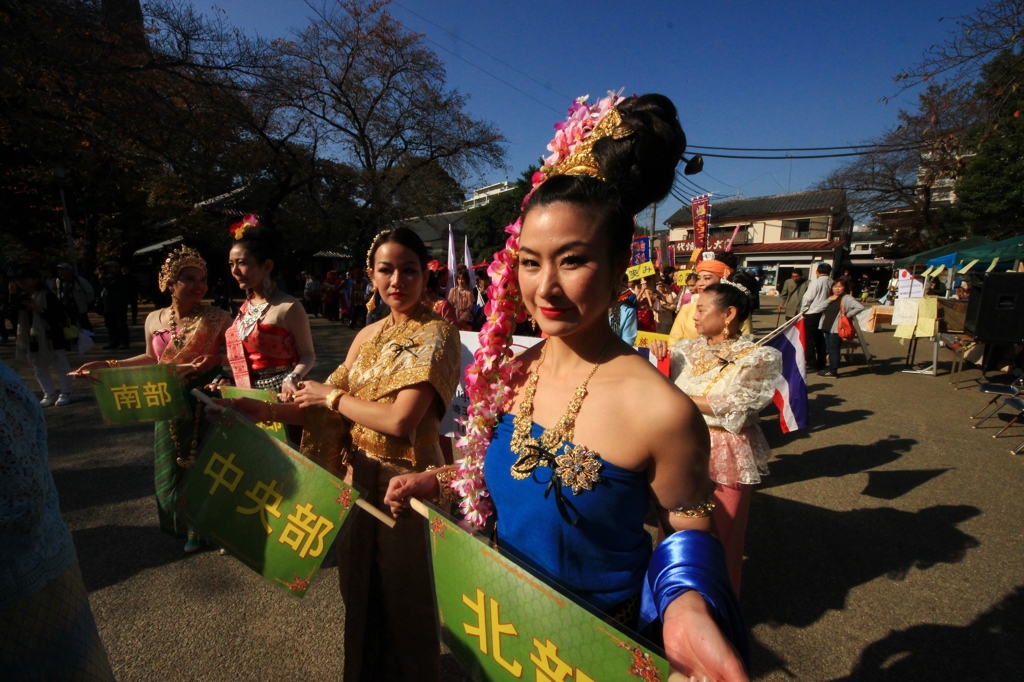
{"x": 23, "y": 470}
{"x": 750, "y": 390}
{"x": 677, "y": 359}
{"x": 35, "y": 545}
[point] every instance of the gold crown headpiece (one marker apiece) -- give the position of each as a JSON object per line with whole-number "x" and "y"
{"x": 182, "y": 257}
{"x": 582, "y": 161}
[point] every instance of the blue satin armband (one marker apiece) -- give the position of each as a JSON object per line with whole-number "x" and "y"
{"x": 694, "y": 560}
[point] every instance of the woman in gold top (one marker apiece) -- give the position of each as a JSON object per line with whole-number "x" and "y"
{"x": 378, "y": 417}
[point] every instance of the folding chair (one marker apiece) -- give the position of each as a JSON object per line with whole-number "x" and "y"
{"x": 1019, "y": 450}
{"x": 998, "y": 391}
{"x": 1017, "y": 404}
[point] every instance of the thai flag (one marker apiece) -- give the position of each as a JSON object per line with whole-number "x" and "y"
{"x": 664, "y": 365}
{"x": 791, "y": 391}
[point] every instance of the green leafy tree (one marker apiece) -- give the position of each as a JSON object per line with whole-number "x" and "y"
{"x": 990, "y": 189}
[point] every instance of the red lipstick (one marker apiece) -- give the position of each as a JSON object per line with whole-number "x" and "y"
{"x": 552, "y": 313}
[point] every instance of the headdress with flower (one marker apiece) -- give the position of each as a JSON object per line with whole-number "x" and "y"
{"x": 179, "y": 259}
{"x": 488, "y": 379}
{"x": 238, "y": 229}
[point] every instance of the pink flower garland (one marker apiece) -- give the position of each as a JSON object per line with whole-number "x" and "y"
{"x": 489, "y": 378}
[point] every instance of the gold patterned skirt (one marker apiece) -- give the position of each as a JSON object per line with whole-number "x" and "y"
{"x": 384, "y": 575}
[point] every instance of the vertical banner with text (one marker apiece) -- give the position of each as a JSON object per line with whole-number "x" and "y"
{"x": 504, "y": 623}
{"x": 700, "y": 210}
{"x": 150, "y": 393}
{"x": 271, "y": 508}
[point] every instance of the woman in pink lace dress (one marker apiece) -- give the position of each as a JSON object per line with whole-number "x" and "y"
{"x": 731, "y": 380}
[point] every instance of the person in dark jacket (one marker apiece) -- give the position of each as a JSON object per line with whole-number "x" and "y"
{"x": 131, "y": 287}
{"x": 114, "y": 296}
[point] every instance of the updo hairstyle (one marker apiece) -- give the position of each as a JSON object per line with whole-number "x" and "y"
{"x": 407, "y": 238}
{"x": 724, "y": 295}
{"x": 640, "y": 169}
{"x": 262, "y": 242}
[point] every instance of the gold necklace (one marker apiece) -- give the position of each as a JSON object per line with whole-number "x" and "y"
{"x": 578, "y": 467}
{"x": 704, "y": 364}
{"x": 178, "y": 337}
{"x": 721, "y": 372}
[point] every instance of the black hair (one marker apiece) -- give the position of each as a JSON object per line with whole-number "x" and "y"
{"x": 639, "y": 170}
{"x": 407, "y": 238}
{"x": 726, "y": 295}
{"x": 824, "y": 268}
{"x": 262, "y": 242}
{"x": 691, "y": 276}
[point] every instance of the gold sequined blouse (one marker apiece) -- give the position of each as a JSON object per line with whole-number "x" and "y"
{"x": 423, "y": 349}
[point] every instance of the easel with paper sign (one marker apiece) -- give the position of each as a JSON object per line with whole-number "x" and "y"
{"x": 914, "y": 319}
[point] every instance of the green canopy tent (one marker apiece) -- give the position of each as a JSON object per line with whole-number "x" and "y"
{"x": 939, "y": 251}
{"x": 1011, "y": 249}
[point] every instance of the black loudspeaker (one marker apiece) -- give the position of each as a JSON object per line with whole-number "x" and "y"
{"x": 995, "y": 308}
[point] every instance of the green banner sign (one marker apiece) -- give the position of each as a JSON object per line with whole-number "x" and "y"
{"x": 271, "y": 508}
{"x": 151, "y": 393}
{"x": 504, "y": 623}
{"x": 275, "y": 429}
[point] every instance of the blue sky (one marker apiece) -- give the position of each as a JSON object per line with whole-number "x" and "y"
{"x": 767, "y": 74}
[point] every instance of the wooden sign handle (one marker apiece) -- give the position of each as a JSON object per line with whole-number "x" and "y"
{"x": 360, "y": 502}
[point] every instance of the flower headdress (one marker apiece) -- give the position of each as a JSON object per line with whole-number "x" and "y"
{"x": 179, "y": 259}
{"x": 488, "y": 379}
{"x": 238, "y": 229}
{"x": 371, "y": 302}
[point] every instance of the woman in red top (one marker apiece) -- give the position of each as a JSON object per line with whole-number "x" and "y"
{"x": 269, "y": 344}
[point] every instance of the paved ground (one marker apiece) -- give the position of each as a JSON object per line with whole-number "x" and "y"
{"x": 887, "y": 544}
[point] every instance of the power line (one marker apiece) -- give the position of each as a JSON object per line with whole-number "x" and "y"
{"x": 691, "y": 183}
{"x": 789, "y": 157}
{"x": 500, "y": 80}
{"x": 480, "y": 50}
{"x": 720, "y": 182}
{"x": 900, "y": 145}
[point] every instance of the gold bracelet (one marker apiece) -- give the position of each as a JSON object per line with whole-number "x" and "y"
{"x": 112, "y": 363}
{"x": 701, "y": 509}
{"x": 333, "y": 398}
{"x": 269, "y": 421}
{"x": 446, "y": 495}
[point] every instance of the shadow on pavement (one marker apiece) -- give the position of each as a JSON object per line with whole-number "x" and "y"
{"x": 890, "y": 485}
{"x": 836, "y": 461}
{"x": 804, "y": 560}
{"x": 111, "y": 554}
{"x": 821, "y": 415}
{"x": 987, "y": 649}
{"x": 102, "y": 486}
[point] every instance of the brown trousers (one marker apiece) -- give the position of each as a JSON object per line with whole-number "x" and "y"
{"x": 384, "y": 574}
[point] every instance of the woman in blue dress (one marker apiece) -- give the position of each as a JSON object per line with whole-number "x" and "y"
{"x": 592, "y": 430}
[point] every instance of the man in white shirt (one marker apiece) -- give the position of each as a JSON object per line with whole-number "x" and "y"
{"x": 813, "y": 304}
